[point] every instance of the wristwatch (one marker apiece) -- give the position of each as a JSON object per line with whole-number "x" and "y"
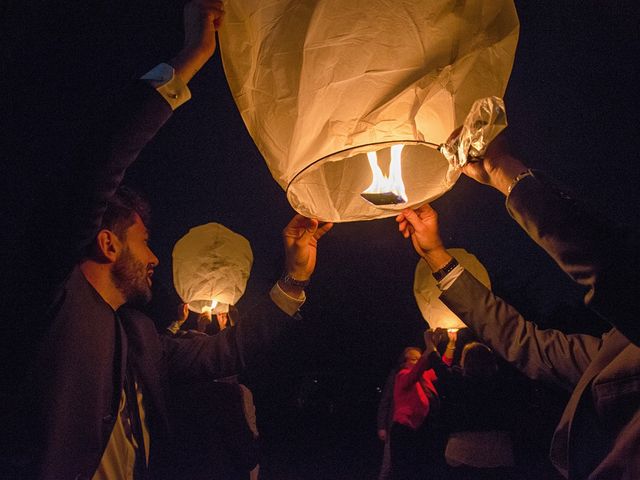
{"x": 289, "y": 280}
{"x": 440, "y": 274}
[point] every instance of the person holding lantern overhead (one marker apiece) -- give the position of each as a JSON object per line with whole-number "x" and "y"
{"x": 478, "y": 411}
{"x": 598, "y": 436}
{"x": 96, "y": 399}
{"x": 414, "y": 440}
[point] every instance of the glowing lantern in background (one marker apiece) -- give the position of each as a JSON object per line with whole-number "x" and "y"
{"x": 324, "y": 86}
{"x": 211, "y": 266}
{"x": 436, "y": 313}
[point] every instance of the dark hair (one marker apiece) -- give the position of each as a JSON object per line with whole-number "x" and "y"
{"x": 120, "y": 211}
{"x": 119, "y": 214}
{"x": 478, "y": 360}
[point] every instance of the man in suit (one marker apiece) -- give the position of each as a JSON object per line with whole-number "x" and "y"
{"x": 598, "y": 436}
{"x": 96, "y": 396}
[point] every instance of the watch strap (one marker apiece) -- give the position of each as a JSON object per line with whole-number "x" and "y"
{"x": 289, "y": 280}
{"x": 440, "y": 274}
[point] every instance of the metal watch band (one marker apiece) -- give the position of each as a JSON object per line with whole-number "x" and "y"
{"x": 289, "y": 280}
{"x": 440, "y": 274}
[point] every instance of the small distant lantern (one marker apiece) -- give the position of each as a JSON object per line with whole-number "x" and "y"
{"x": 211, "y": 266}
{"x": 349, "y": 101}
{"x": 436, "y": 313}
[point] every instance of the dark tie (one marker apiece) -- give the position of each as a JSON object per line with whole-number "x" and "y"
{"x": 140, "y": 468}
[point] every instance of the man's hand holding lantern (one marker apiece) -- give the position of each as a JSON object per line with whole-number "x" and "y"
{"x": 300, "y": 239}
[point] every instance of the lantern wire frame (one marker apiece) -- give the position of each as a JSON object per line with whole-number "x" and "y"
{"x": 445, "y": 180}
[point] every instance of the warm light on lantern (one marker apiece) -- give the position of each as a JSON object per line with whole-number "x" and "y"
{"x": 427, "y": 292}
{"x": 211, "y": 266}
{"x": 386, "y": 190}
{"x": 322, "y": 92}
{"x": 209, "y": 308}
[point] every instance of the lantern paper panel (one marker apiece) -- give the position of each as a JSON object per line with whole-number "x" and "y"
{"x": 436, "y": 313}
{"x": 211, "y": 266}
{"x": 321, "y": 83}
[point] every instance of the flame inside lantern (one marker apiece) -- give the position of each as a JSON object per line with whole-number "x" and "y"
{"x": 209, "y": 308}
{"x": 386, "y": 189}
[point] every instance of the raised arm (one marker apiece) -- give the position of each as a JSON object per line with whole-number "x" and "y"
{"x": 538, "y": 353}
{"x": 250, "y": 342}
{"x": 70, "y": 214}
{"x": 594, "y": 251}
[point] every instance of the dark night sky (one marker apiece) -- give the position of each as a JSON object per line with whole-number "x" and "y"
{"x": 573, "y": 111}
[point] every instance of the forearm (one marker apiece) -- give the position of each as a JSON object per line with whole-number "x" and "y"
{"x": 247, "y": 345}
{"x": 417, "y": 370}
{"x": 449, "y": 353}
{"x": 539, "y": 354}
{"x": 594, "y": 252}
{"x": 70, "y": 210}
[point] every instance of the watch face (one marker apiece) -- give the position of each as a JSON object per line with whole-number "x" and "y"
{"x": 292, "y": 281}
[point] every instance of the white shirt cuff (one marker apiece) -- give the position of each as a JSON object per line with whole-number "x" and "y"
{"x": 164, "y": 79}
{"x": 286, "y": 303}
{"x": 450, "y": 277}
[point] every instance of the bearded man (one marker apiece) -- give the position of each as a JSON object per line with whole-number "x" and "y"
{"x": 95, "y": 395}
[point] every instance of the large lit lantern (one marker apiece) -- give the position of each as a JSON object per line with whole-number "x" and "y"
{"x": 436, "y": 313}
{"x": 348, "y": 100}
{"x": 211, "y": 266}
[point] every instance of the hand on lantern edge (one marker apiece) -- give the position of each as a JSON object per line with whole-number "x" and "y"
{"x": 202, "y": 19}
{"x": 421, "y": 225}
{"x": 430, "y": 342}
{"x": 300, "y": 238}
{"x": 497, "y": 168}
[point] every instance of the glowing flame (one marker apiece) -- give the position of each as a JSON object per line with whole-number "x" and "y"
{"x": 451, "y": 330}
{"x": 393, "y": 183}
{"x": 208, "y": 308}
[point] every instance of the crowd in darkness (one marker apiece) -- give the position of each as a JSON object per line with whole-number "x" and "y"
{"x": 105, "y": 381}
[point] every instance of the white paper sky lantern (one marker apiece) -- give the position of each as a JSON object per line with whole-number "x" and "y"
{"x": 211, "y": 266}
{"x": 436, "y": 313}
{"x": 325, "y": 85}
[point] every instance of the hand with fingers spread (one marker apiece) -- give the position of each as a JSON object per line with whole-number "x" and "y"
{"x": 300, "y": 239}
{"x": 421, "y": 225}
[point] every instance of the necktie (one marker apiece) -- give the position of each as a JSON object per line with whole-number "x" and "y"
{"x": 140, "y": 467}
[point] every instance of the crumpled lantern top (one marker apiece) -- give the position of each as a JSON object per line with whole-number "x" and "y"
{"x": 484, "y": 122}
{"x": 436, "y": 313}
{"x": 211, "y": 263}
{"x": 319, "y": 83}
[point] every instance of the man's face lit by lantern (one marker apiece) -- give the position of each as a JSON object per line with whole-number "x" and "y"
{"x": 133, "y": 269}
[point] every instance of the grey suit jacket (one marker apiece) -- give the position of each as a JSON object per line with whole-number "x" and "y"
{"x": 598, "y": 436}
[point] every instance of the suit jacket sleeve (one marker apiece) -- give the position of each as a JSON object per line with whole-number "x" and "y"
{"x": 250, "y": 344}
{"x": 540, "y": 354}
{"x": 70, "y": 212}
{"x": 596, "y": 253}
